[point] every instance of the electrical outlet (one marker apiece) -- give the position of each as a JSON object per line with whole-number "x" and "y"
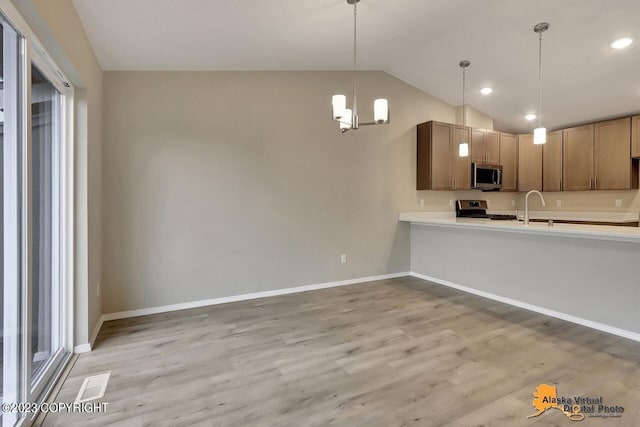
{"x": 513, "y": 202}
{"x": 422, "y": 203}
{"x": 343, "y": 258}
{"x": 558, "y": 203}
{"x": 451, "y": 202}
{"x": 618, "y": 203}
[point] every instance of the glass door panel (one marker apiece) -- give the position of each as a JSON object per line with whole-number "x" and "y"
{"x": 45, "y": 223}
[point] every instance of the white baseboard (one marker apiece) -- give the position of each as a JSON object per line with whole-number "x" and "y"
{"x": 552, "y": 313}
{"x": 82, "y": 348}
{"x": 235, "y": 298}
{"x": 86, "y": 347}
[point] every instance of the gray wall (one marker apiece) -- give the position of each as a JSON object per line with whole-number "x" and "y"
{"x": 226, "y": 183}
{"x": 592, "y": 279}
{"x": 220, "y": 184}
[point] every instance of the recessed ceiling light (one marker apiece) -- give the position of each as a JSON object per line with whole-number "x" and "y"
{"x": 530, "y": 117}
{"x": 486, "y": 90}
{"x": 621, "y": 43}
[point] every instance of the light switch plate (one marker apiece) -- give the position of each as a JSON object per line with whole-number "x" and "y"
{"x": 558, "y": 203}
{"x": 618, "y": 203}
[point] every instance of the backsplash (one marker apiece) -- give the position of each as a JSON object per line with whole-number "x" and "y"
{"x": 435, "y": 201}
{"x": 593, "y": 201}
{"x": 586, "y": 201}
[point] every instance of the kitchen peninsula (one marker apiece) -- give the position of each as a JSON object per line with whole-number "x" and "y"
{"x": 586, "y": 274}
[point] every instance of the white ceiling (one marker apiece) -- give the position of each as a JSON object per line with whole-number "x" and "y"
{"x": 418, "y": 41}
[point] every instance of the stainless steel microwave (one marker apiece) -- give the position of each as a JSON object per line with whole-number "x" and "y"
{"x": 486, "y": 177}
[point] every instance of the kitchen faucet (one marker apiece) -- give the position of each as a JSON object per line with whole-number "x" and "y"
{"x": 526, "y": 204}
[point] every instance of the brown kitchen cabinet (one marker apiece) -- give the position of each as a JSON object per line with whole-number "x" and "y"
{"x": 552, "y": 162}
{"x": 578, "y": 150}
{"x": 529, "y": 164}
{"x": 461, "y": 165}
{"x": 613, "y": 167}
{"x": 635, "y": 137}
{"x": 508, "y": 158}
{"x": 434, "y": 155}
{"x": 439, "y": 166}
{"x": 485, "y": 147}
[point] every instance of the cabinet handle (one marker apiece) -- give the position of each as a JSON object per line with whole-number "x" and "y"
{"x": 590, "y": 183}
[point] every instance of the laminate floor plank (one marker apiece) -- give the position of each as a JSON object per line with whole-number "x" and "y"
{"x": 398, "y": 352}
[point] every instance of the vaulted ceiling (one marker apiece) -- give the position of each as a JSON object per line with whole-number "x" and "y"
{"x": 418, "y": 41}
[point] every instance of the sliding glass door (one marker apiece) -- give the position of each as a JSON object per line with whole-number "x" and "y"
{"x": 36, "y": 234}
{"x": 45, "y": 341}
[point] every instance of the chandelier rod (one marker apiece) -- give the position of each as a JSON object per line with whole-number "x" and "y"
{"x": 355, "y": 63}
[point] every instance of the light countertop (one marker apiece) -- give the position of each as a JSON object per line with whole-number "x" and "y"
{"x": 599, "y": 232}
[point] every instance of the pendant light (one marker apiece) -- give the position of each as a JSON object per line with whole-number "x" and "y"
{"x": 540, "y": 133}
{"x": 348, "y": 117}
{"x": 463, "y": 148}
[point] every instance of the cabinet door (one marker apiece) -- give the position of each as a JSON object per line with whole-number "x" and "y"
{"x": 478, "y": 147}
{"x": 492, "y": 145}
{"x": 635, "y": 137}
{"x": 434, "y": 158}
{"x": 578, "y": 158}
{"x": 612, "y": 155}
{"x": 461, "y": 165}
{"x": 509, "y": 161}
{"x": 552, "y": 162}
{"x": 423, "y": 156}
{"x": 529, "y": 164}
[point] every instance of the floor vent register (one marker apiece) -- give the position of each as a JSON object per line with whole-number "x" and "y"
{"x": 93, "y": 387}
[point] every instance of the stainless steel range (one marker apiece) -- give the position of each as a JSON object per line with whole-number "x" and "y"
{"x": 478, "y": 209}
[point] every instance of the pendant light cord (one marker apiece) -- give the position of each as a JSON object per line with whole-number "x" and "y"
{"x": 540, "y": 80}
{"x": 464, "y": 87}
{"x": 355, "y": 64}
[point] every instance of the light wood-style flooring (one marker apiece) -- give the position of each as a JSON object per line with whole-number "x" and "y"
{"x": 400, "y": 352}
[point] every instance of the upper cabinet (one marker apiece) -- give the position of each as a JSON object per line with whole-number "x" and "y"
{"x": 440, "y": 166}
{"x": 529, "y": 164}
{"x": 599, "y": 156}
{"x": 635, "y": 137}
{"x": 435, "y": 156}
{"x": 485, "y": 147}
{"x": 508, "y": 158}
{"x": 613, "y": 167}
{"x": 552, "y": 162}
{"x": 578, "y": 158}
